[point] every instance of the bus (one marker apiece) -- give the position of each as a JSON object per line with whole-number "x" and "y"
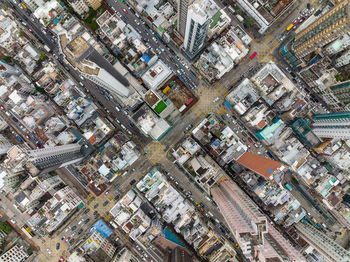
{"x": 28, "y": 231}
{"x": 290, "y": 27}
{"x": 253, "y": 55}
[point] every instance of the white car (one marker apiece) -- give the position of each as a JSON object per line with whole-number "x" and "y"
{"x": 116, "y": 108}
{"x": 216, "y": 99}
{"x": 48, "y": 251}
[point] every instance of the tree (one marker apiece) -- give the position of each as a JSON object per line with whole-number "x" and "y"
{"x": 339, "y": 77}
{"x": 42, "y": 56}
{"x": 249, "y": 21}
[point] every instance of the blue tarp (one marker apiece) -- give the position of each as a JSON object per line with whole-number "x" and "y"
{"x": 145, "y": 57}
{"x": 227, "y": 104}
{"x": 103, "y": 229}
{"x": 116, "y": 51}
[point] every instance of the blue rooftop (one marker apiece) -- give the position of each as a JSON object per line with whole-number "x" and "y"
{"x": 103, "y": 229}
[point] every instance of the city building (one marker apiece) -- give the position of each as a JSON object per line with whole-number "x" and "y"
{"x": 14, "y": 254}
{"x": 44, "y": 160}
{"x": 125, "y": 255}
{"x": 196, "y": 29}
{"x": 79, "y": 6}
{"x": 265, "y": 13}
{"x": 339, "y": 94}
{"x": 182, "y": 10}
{"x": 326, "y": 29}
{"x": 5, "y": 145}
{"x": 158, "y": 73}
{"x": 34, "y": 4}
{"x": 81, "y": 55}
{"x": 322, "y": 243}
{"x": 332, "y": 125}
{"x": 265, "y": 167}
{"x": 257, "y": 238}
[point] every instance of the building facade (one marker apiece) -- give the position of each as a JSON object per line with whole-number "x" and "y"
{"x": 196, "y": 29}
{"x": 44, "y": 160}
{"x": 326, "y": 29}
{"x": 14, "y": 254}
{"x": 332, "y": 125}
{"x": 79, "y": 6}
{"x": 258, "y": 239}
{"x": 323, "y": 244}
{"x": 5, "y": 145}
{"x": 182, "y": 10}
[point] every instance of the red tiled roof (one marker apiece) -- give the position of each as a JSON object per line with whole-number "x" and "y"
{"x": 264, "y": 167}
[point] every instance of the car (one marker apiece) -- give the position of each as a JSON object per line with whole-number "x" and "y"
{"x": 116, "y": 197}
{"x": 253, "y": 55}
{"x": 74, "y": 228}
{"x": 80, "y": 83}
{"x": 67, "y": 229}
{"x": 48, "y": 251}
{"x": 61, "y": 259}
{"x": 58, "y": 246}
{"x": 124, "y": 10}
{"x": 250, "y": 140}
{"x": 95, "y": 206}
{"x": 107, "y": 192}
{"x": 13, "y": 221}
{"x": 132, "y": 182}
{"x": 81, "y": 221}
{"x": 216, "y": 99}
{"x": 87, "y": 221}
{"x": 2, "y": 107}
{"x": 80, "y": 231}
{"x": 81, "y": 77}
{"x": 27, "y": 136}
{"x": 189, "y": 127}
{"x": 105, "y": 203}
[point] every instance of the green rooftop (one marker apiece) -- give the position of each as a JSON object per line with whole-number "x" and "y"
{"x": 160, "y": 107}
{"x": 216, "y": 18}
{"x": 268, "y": 131}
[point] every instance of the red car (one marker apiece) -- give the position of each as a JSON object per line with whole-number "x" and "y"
{"x": 61, "y": 259}
{"x": 250, "y": 139}
{"x": 67, "y": 239}
{"x": 2, "y": 107}
{"x": 27, "y": 136}
{"x": 124, "y": 10}
{"x": 107, "y": 192}
{"x": 30, "y": 30}
{"x": 253, "y": 55}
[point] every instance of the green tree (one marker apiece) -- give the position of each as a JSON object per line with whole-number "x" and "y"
{"x": 339, "y": 77}
{"x": 5, "y": 227}
{"x": 249, "y": 21}
{"x": 42, "y": 56}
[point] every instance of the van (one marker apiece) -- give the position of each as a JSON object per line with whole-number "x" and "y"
{"x": 123, "y": 126}
{"x": 80, "y": 83}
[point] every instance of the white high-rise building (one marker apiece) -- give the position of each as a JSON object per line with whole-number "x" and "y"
{"x": 44, "y": 160}
{"x": 196, "y": 29}
{"x": 182, "y": 10}
{"x": 5, "y": 145}
{"x": 332, "y": 125}
{"x": 323, "y": 244}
